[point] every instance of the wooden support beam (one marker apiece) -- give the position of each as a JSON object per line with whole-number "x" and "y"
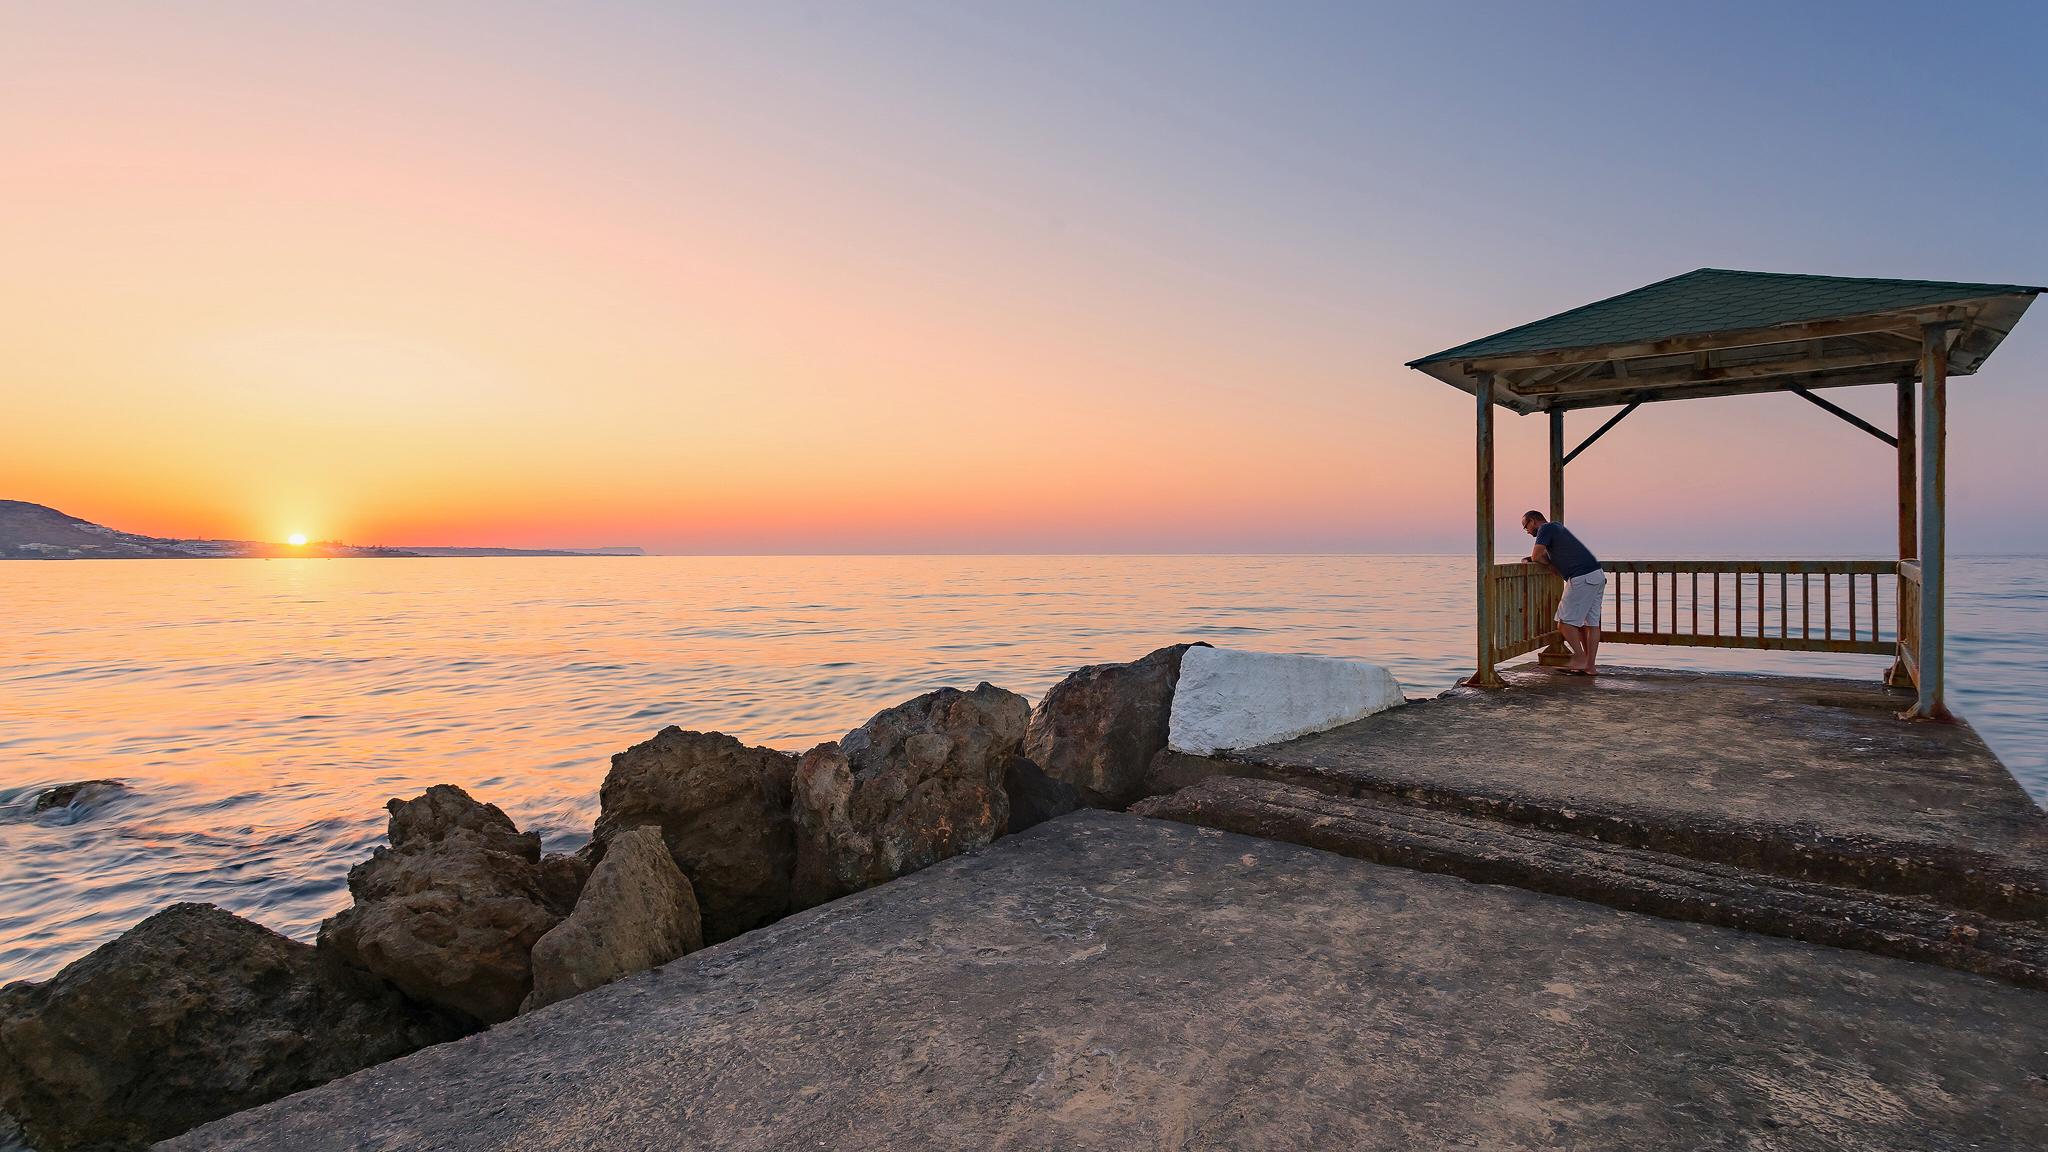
{"x": 1902, "y": 672}
{"x": 1557, "y": 466}
{"x": 1900, "y": 321}
{"x": 1624, "y": 393}
{"x": 1597, "y": 433}
{"x": 1933, "y": 520}
{"x": 1909, "y": 482}
{"x": 1698, "y": 373}
{"x": 1485, "y": 676}
{"x": 1844, "y": 413}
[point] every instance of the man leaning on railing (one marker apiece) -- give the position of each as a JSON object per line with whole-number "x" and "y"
{"x": 1578, "y": 610}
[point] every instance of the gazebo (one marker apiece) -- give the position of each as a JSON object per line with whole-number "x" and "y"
{"x": 1715, "y": 332}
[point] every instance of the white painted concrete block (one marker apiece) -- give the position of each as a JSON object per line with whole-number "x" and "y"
{"x": 1228, "y": 699}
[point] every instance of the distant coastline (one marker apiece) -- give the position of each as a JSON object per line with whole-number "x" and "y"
{"x": 39, "y": 532}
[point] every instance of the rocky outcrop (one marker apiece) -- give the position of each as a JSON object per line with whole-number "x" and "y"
{"x": 914, "y": 785}
{"x": 451, "y": 910}
{"x": 723, "y": 811}
{"x": 78, "y": 794}
{"x": 636, "y": 911}
{"x": 1099, "y": 728}
{"x": 188, "y": 1016}
{"x": 1034, "y": 796}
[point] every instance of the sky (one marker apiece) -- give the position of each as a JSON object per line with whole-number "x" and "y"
{"x": 907, "y": 277}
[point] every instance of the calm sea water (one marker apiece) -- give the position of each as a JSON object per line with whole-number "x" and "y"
{"x": 263, "y": 711}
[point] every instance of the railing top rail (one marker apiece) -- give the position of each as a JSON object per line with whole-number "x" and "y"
{"x": 1774, "y": 567}
{"x": 1910, "y": 570}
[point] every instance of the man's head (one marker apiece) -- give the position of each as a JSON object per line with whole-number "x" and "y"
{"x": 1532, "y": 522}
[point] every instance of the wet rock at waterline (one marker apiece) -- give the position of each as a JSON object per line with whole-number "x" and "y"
{"x": 723, "y": 810}
{"x": 1034, "y": 796}
{"x": 451, "y": 910}
{"x": 190, "y": 1015}
{"x": 636, "y": 911}
{"x": 914, "y": 785}
{"x": 1099, "y": 728}
{"x": 78, "y": 800}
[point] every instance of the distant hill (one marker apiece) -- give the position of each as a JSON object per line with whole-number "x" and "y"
{"x": 37, "y": 532}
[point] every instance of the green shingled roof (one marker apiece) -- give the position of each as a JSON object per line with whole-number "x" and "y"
{"x": 1717, "y": 300}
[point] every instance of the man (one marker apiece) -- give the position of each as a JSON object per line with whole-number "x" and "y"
{"x": 1585, "y": 582}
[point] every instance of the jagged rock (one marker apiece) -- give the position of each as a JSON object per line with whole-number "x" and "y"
{"x": 723, "y": 810}
{"x": 562, "y": 876}
{"x": 69, "y": 803}
{"x": 637, "y": 911}
{"x": 916, "y": 784}
{"x": 451, "y": 910}
{"x": 1034, "y": 796}
{"x": 1228, "y": 699}
{"x": 188, "y": 1016}
{"x": 1099, "y": 728}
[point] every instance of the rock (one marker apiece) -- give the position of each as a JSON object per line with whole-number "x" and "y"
{"x": 916, "y": 784}
{"x": 1229, "y": 699}
{"x": 637, "y": 911}
{"x": 450, "y": 912}
{"x": 562, "y": 876}
{"x": 723, "y": 810}
{"x": 1099, "y": 728}
{"x": 1172, "y": 771}
{"x": 189, "y": 1016}
{"x": 70, "y": 803}
{"x": 1034, "y": 796}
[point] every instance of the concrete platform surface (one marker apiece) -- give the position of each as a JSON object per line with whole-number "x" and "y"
{"x": 1105, "y": 981}
{"x": 1807, "y": 777}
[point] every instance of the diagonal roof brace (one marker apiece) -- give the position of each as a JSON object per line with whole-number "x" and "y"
{"x": 1600, "y": 431}
{"x": 1845, "y": 414}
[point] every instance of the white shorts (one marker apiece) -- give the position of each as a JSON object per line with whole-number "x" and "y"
{"x": 1580, "y": 604}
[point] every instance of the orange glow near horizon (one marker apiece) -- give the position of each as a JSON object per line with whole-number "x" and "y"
{"x": 366, "y": 276}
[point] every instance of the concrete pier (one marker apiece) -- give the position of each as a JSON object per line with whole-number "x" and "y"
{"x": 1110, "y": 982}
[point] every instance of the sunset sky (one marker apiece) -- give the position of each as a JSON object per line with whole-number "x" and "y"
{"x": 971, "y": 277}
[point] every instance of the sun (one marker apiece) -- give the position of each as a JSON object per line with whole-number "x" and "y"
{"x": 296, "y": 539}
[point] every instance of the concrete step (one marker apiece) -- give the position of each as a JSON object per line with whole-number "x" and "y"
{"x": 1674, "y": 886}
{"x": 1951, "y": 875}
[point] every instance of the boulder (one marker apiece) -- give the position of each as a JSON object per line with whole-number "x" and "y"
{"x": 1099, "y": 728}
{"x": 188, "y": 1016}
{"x": 916, "y": 784}
{"x": 1034, "y": 796}
{"x": 562, "y": 876}
{"x": 451, "y": 910}
{"x": 723, "y": 810}
{"x": 636, "y": 911}
{"x": 1228, "y": 699}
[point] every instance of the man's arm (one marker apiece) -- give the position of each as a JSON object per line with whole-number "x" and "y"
{"x": 1538, "y": 555}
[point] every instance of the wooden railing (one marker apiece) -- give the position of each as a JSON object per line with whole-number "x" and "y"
{"x": 1779, "y": 605}
{"x": 1909, "y": 623}
{"x": 1524, "y": 604}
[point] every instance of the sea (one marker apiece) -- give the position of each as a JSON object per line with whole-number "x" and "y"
{"x": 261, "y": 712}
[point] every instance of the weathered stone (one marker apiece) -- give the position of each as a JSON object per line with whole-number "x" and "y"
{"x": 636, "y": 911}
{"x": 1034, "y": 796}
{"x": 562, "y": 876}
{"x": 723, "y": 810}
{"x": 1228, "y": 699}
{"x": 1099, "y": 728}
{"x": 188, "y": 1016}
{"x": 450, "y": 912}
{"x": 78, "y": 796}
{"x": 917, "y": 783}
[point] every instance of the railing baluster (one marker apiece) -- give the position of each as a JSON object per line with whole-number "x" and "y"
{"x": 1784, "y": 607}
{"x": 1827, "y": 604}
{"x": 1717, "y": 602}
{"x": 1806, "y": 605}
{"x": 1695, "y": 603}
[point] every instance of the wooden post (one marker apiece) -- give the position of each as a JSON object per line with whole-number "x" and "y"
{"x": 1485, "y": 677}
{"x": 1901, "y": 675}
{"x": 1933, "y": 529}
{"x": 1557, "y": 654}
{"x": 1557, "y": 465}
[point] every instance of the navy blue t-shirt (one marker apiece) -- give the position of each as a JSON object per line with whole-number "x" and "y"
{"x": 1571, "y": 558}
